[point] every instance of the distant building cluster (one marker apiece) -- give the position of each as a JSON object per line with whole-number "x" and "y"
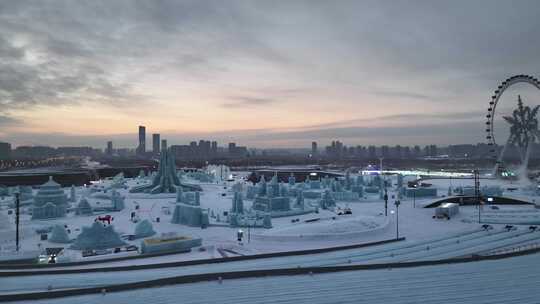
{"x": 43, "y": 152}
{"x": 338, "y": 150}
{"x": 204, "y": 150}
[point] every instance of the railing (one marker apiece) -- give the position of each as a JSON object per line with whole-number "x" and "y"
{"x": 514, "y": 249}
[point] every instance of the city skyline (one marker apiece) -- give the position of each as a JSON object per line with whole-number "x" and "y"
{"x": 262, "y": 75}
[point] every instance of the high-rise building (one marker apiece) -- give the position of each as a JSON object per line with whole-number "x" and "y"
{"x": 155, "y": 143}
{"x": 214, "y": 148}
{"x": 232, "y": 148}
{"x": 163, "y": 145}
{"x": 5, "y": 150}
{"x": 314, "y": 149}
{"x": 141, "y": 149}
{"x": 109, "y": 150}
{"x": 372, "y": 152}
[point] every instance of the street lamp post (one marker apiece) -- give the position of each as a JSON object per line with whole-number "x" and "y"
{"x": 479, "y": 206}
{"x": 397, "y": 203}
{"x": 17, "y": 220}
{"x": 385, "y": 202}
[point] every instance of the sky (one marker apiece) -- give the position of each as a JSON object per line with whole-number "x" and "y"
{"x": 261, "y": 73}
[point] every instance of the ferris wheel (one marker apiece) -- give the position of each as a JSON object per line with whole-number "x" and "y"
{"x": 523, "y": 124}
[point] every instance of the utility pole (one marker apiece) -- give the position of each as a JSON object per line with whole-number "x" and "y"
{"x": 17, "y": 219}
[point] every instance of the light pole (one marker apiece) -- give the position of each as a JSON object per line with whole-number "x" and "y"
{"x": 414, "y": 197}
{"x": 385, "y": 202}
{"x": 397, "y": 203}
{"x": 17, "y": 220}
{"x": 479, "y": 206}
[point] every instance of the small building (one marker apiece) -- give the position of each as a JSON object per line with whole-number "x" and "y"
{"x": 169, "y": 244}
{"x": 420, "y": 192}
{"x": 447, "y": 210}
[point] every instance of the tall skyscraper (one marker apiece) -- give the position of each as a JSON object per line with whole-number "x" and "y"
{"x": 155, "y": 143}
{"x": 141, "y": 149}
{"x": 314, "y": 149}
{"x": 163, "y": 145}
{"x": 109, "y": 150}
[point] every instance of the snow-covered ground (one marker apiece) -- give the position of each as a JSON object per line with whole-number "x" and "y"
{"x": 426, "y": 238}
{"x": 512, "y": 280}
{"x": 367, "y": 223}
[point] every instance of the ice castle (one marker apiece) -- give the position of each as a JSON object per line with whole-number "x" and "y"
{"x": 190, "y": 212}
{"x": 274, "y": 198}
{"x": 166, "y": 180}
{"x": 50, "y": 201}
{"x": 271, "y": 197}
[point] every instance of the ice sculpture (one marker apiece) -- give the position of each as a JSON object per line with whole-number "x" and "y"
{"x": 201, "y": 177}
{"x": 4, "y": 191}
{"x": 400, "y": 180}
{"x": 262, "y": 186}
{"x": 144, "y": 229}
{"x": 179, "y": 195}
{"x": 50, "y": 201}
{"x": 348, "y": 181}
{"x": 237, "y": 203}
{"x": 117, "y": 201}
{"x": 267, "y": 221}
{"x": 83, "y": 208}
{"x": 292, "y": 180}
{"x": 72, "y": 195}
{"x": 190, "y": 213}
{"x": 360, "y": 180}
{"x": 165, "y": 180}
{"x": 327, "y": 201}
{"x": 219, "y": 172}
{"x": 59, "y": 235}
{"x": 300, "y": 200}
{"x": 97, "y": 236}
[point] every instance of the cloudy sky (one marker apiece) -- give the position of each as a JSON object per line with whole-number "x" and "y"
{"x": 262, "y": 73}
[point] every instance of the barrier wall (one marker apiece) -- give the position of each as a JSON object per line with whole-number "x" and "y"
{"x": 34, "y": 269}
